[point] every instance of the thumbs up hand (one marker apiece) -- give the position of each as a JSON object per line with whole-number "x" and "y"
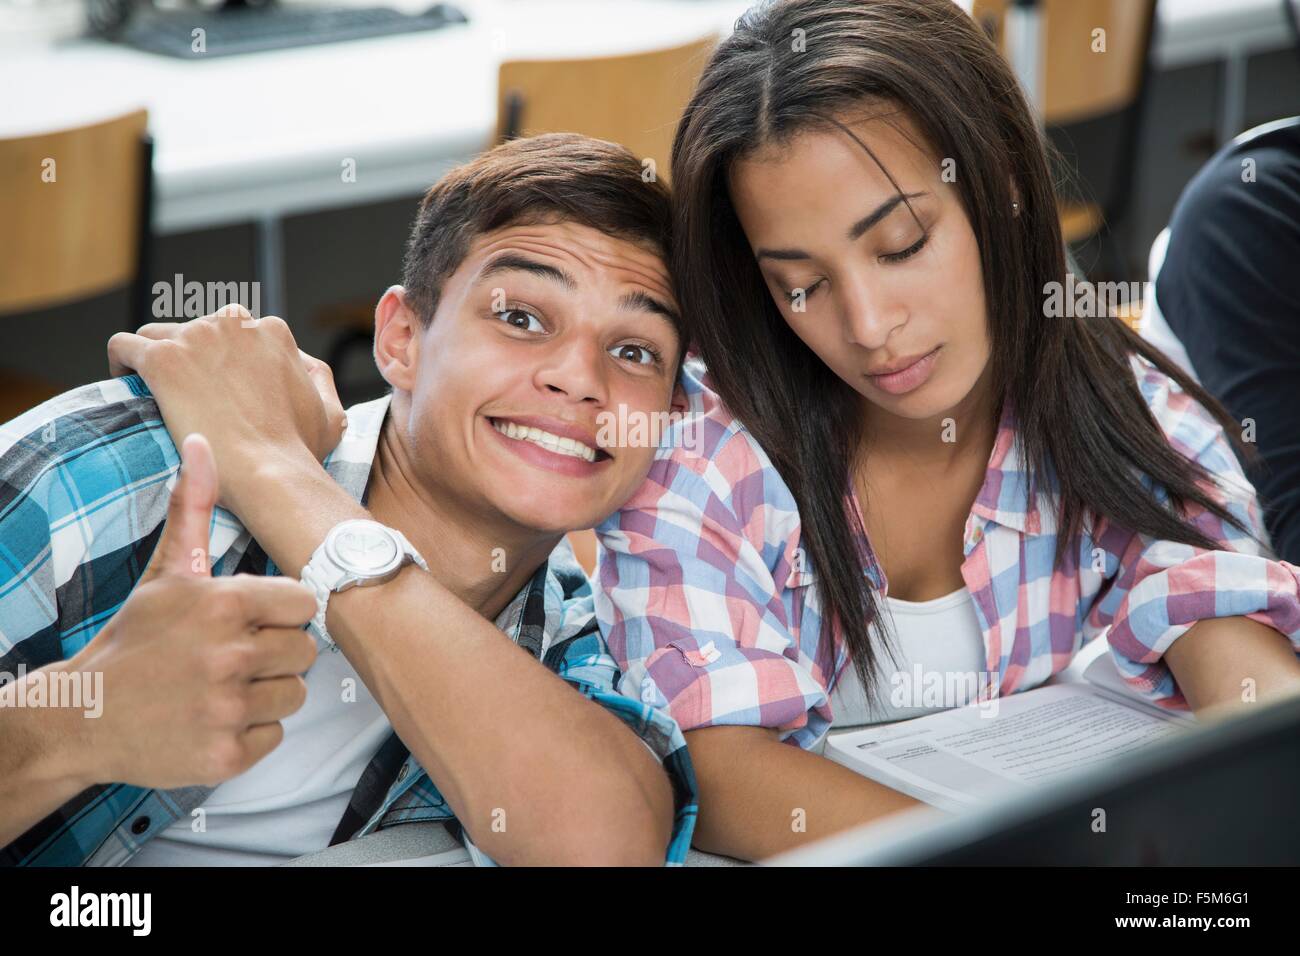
{"x": 182, "y": 548}
{"x": 198, "y": 671}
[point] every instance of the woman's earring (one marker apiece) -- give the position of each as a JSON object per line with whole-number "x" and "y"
{"x": 1015, "y": 208}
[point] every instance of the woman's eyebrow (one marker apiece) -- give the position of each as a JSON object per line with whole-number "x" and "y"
{"x": 857, "y": 229}
{"x": 880, "y": 212}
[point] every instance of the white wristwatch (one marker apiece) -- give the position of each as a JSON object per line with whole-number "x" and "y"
{"x": 357, "y": 553}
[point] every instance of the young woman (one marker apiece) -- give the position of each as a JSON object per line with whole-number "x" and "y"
{"x": 909, "y": 461}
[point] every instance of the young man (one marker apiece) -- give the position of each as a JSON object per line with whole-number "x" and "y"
{"x": 1228, "y": 302}
{"x": 535, "y": 300}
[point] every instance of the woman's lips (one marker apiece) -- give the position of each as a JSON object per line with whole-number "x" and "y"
{"x": 907, "y": 379}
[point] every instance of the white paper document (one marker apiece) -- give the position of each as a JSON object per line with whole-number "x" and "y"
{"x": 971, "y": 755}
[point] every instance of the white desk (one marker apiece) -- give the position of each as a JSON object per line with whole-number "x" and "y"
{"x": 243, "y": 137}
{"x": 262, "y": 136}
{"x": 240, "y": 138}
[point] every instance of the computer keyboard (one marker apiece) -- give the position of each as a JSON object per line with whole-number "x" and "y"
{"x": 273, "y": 27}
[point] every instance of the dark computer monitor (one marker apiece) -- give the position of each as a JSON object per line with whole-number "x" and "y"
{"x": 1223, "y": 794}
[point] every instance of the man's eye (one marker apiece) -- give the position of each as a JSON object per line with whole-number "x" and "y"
{"x": 639, "y": 354}
{"x": 521, "y": 319}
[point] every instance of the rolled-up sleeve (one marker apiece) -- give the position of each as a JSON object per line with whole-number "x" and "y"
{"x": 586, "y": 664}
{"x": 1163, "y": 588}
{"x": 693, "y": 595}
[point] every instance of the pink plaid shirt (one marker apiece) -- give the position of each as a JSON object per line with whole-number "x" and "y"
{"x": 711, "y": 609}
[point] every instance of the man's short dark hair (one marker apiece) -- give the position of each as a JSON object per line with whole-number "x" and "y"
{"x": 554, "y": 177}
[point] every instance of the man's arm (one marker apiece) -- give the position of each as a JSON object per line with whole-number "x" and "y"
{"x": 535, "y": 772}
{"x": 191, "y": 675}
{"x": 42, "y": 762}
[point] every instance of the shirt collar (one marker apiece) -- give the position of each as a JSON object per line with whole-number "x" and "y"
{"x": 350, "y": 462}
{"x": 1009, "y": 495}
{"x": 532, "y": 615}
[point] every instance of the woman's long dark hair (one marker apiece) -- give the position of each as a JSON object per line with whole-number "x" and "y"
{"x": 1085, "y": 430}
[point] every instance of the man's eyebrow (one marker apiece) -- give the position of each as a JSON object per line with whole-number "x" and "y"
{"x": 644, "y": 302}
{"x": 857, "y": 229}
{"x": 513, "y": 262}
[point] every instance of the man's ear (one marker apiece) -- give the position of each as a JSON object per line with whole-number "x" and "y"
{"x": 397, "y": 339}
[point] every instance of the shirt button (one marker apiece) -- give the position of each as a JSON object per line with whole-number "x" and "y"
{"x": 401, "y": 774}
{"x": 139, "y": 825}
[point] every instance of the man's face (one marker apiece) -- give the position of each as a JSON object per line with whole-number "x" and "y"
{"x": 540, "y": 335}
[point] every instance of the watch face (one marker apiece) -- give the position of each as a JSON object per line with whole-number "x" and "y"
{"x": 364, "y": 548}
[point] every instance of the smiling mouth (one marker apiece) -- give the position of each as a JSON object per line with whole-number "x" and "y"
{"x": 556, "y": 444}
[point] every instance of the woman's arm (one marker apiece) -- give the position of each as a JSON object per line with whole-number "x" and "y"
{"x": 760, "y": 797}
{"x": 1225, "y": 664}
{"x": 1190, "y": 625}
{"x": 699, "y": 593}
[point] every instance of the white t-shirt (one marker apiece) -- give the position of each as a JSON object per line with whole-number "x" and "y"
{"x": 941, "y": 638}
{"x": 288, "y": 803}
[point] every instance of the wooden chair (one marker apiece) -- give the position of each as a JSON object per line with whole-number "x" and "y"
{"x": 633, "y": 99}
{"x": 1092, "y": 101}
{"x": 77, "y": 208}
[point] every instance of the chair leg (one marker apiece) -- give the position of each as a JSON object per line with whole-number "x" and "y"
{"x": 270, "y": 266}
{"x": 141, "y": 290}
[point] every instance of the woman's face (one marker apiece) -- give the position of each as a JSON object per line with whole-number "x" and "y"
{"x": 894, "y": 308}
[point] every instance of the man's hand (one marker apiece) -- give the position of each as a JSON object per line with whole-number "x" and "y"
{"x": 241, "y": 382}
{"x": 198, "y": 671}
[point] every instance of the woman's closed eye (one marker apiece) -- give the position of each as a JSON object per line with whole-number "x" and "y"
{"x": 793, "y": 296}
{"x": 802, "y": 293}
{"x": 907, "y": 253}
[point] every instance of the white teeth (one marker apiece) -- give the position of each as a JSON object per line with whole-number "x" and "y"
{"x": 553, "y": 443}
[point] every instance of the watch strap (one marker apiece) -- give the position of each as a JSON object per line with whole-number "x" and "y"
{"x": 324, "y": 577}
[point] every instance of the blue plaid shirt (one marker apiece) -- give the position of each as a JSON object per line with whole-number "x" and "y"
{"x": 84, "y": 484}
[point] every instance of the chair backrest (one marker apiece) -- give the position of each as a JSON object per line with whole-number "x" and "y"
{"x": 1093, "y": 84}
{"x": 634, "y": 99}
{"x": 1079, "y": 81}
{"x": 75, "y": 207}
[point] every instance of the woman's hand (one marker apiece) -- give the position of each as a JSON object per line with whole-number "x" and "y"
{"x": 243, "y": 383}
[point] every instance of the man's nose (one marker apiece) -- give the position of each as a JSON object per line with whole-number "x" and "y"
{"x": 575, "y": 369}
